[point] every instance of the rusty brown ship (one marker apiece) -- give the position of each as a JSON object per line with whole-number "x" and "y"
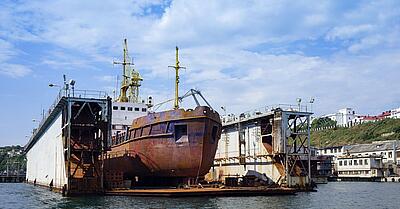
{"x": 159, "y": 148}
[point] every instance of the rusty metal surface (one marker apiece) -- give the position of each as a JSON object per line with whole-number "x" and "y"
{"x": 149, "y": 148}
{"x": 85, "y": 136}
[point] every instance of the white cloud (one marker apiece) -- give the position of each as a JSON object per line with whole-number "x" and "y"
{"x": 14, "y": 70}
{"x": 7, "y": 52}
{"x": 241, "y": 54}
{"x": 348, "y": 31}
{"x": 107, "y": 78}
{"x": 366, "y": 43}
{"x": 223, "y": 43}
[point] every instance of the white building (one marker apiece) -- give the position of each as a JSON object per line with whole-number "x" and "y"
{"x": 387, "y": 152}
{"x": 334, "y": 151}
{"x": 370, "y": 166}
{"x": 388, "y": 149}
{"x": 344, "y": 117}
{"x": 395, "y": 113}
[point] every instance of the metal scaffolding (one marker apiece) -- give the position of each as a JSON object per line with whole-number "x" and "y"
{"x": 283, "y": 141}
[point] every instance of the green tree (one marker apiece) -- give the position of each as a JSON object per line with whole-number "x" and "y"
{"x": 322, "y": 122}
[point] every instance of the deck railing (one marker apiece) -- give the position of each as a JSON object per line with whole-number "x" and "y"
{"x": 230, "y": 118}
{"x": 84, "y": 94}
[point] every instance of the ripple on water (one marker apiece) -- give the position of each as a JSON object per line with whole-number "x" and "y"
{"x": 332, "y": 195}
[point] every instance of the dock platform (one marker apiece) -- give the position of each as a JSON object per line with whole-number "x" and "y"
{"x": 196, "y": 192}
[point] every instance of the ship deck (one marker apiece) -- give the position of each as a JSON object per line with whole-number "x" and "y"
{"x": 195, "y": 192}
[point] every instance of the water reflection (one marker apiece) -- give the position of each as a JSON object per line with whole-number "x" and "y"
{"x": 332, "y": 195}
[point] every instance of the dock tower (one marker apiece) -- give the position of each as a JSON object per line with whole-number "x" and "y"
{"x": 65, "y": 153}
{"x": 272, "y": 144}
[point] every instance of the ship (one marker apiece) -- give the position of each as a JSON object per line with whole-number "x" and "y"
{"x": 172, "y": 147}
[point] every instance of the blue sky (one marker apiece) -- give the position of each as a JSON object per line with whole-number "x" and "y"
{"x": 241, "y": 54}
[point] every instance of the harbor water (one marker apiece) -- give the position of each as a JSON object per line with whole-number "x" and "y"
{"x": 331, "y": 195}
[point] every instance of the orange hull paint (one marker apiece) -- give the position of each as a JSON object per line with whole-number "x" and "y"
{"x": 175, "y": 143}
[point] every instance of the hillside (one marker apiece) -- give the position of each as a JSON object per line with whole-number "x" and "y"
{"x": 13, "y": 156}
{"x": 387, "y": 129}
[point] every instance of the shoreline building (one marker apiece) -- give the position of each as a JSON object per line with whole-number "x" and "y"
{"x": 360, "y": 167}
{"x": 365, "y": 161}
{"x": 388, "y": 150}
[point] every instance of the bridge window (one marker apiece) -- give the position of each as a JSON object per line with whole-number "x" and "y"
{"x": 156, "y": 129}
{"x": 136, "y": 109}
{"x": 115, "y": 107}
{"x": 138, "y": 132}
{"x": 130, "y": 108}
{"x": 143, "y": 109}
{"x": 146, "y": 131}
{"x": 122, "y": 108}
{"x": 181, "y": 133}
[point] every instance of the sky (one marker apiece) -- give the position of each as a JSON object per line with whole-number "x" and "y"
{"x": 240, "y": 54}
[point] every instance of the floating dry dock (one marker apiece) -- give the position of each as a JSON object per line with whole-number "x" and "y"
{"x": 66, "y": 151}
{"x": 194, "y": 192}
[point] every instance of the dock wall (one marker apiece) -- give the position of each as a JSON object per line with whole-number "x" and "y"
{"x": 45, "y": 160}
{"x": 65, "y": 153}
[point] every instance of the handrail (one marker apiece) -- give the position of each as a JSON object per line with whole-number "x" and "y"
{"x": 84, "y": 94}
{"x": 191, "y": 92}
{"x": 261, "y": 111}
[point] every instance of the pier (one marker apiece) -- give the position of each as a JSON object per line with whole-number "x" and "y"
{"x": 12, "y": 178}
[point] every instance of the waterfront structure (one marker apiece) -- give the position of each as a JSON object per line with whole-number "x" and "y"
{"x": 66, "y": 151}
{"x": 358, "y": 167}
{"x": 270, "y": 144}
{"x": 389, "y": 150}
{"x": 324, "y": 166}
{"x": 383, "y": 159}
{"x": 334, "y": 151}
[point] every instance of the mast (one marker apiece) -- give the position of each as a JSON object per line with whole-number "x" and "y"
{"x": 177, "y": 67}
{"x": 130, "y": 79}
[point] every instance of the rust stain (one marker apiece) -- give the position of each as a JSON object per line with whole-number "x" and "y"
{"x": 151, "y": 146}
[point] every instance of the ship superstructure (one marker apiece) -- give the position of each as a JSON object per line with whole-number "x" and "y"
{"x": 128, "y": 105}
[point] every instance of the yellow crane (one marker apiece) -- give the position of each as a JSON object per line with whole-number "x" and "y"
{"x": 130, "y": 79}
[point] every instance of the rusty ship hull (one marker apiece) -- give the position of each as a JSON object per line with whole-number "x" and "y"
{"x": 175, "y": 144}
